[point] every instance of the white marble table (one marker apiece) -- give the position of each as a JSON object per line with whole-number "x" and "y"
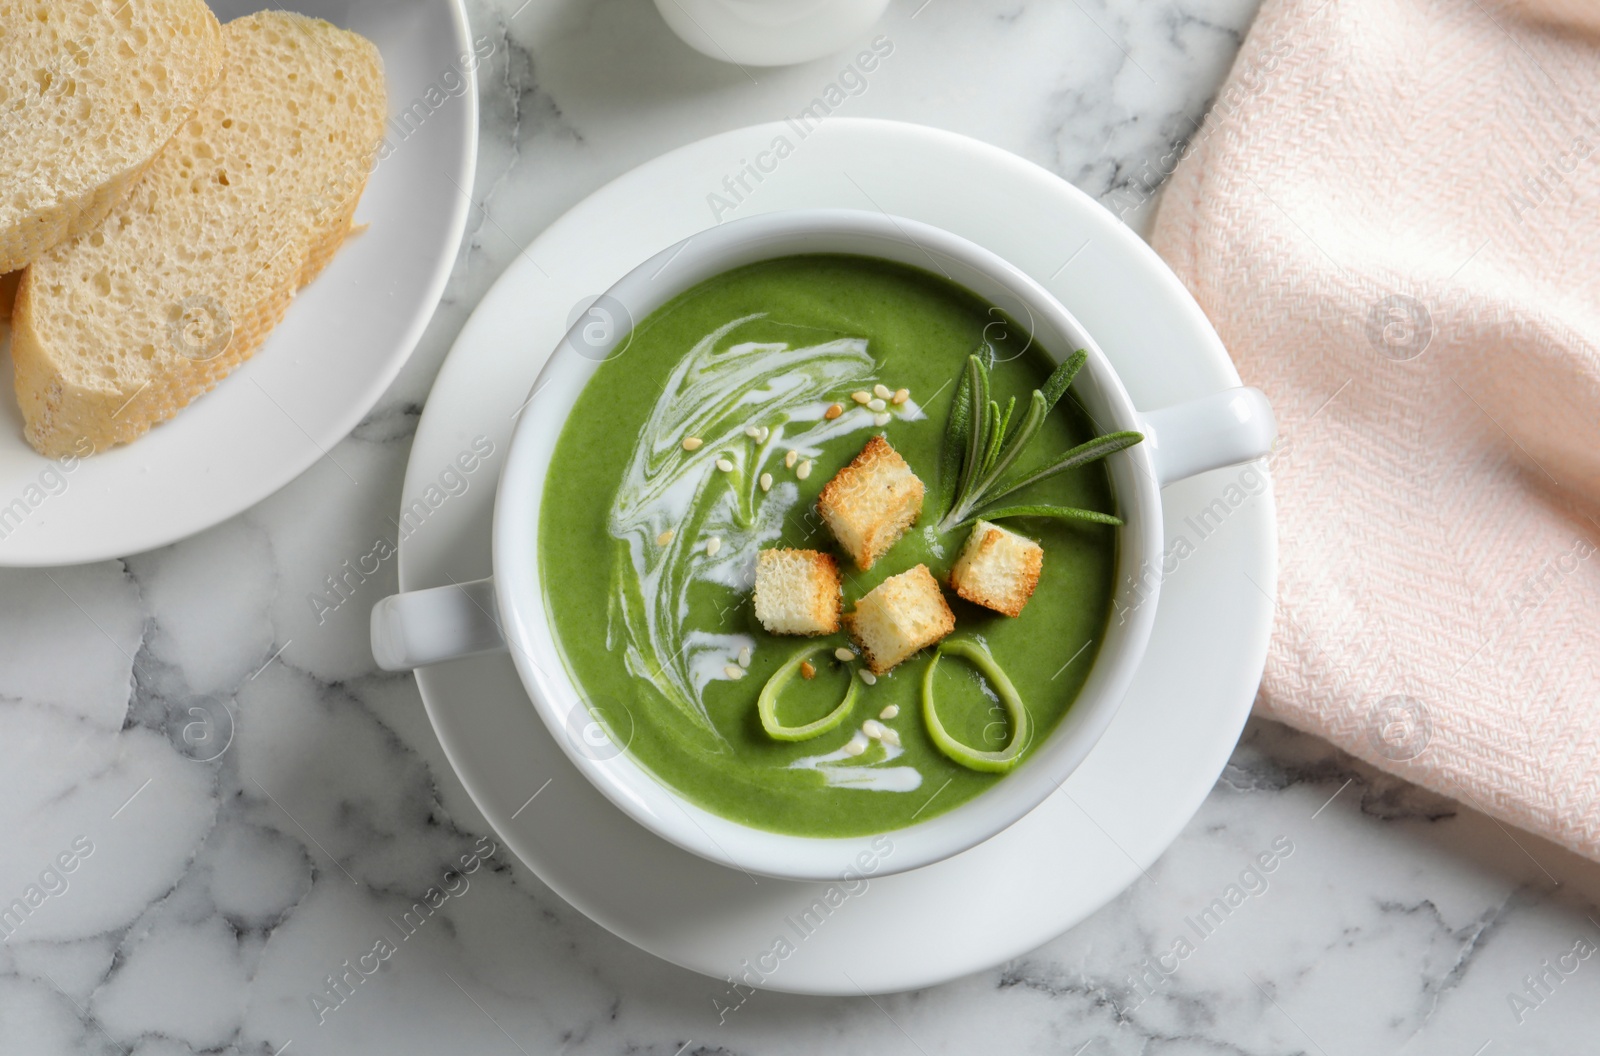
{"x": 214, "y": 886}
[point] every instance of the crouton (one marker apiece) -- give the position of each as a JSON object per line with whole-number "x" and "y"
{"x": 797, "y": 592}
{"x": 902, "y": 614}
{"x": 997, "y": 569}
{"x": 870, "y": 503}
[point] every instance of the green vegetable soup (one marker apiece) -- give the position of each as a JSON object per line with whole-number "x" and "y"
{"x": 647, "y": 549}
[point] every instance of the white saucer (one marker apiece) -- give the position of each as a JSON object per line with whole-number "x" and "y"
{"x": 1117, "y": 812}
{"x": 345, "y": 338}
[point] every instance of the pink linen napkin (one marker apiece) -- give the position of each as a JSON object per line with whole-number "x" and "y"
{"x": 1392, "y": 216}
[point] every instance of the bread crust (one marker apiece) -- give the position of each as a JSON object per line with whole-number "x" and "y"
{"x": 66, "y": 405}
{"x": 997, "y": 569}
{"x": 69, "y": 203}
{"x": 8, "y": 294}
{"x": 798, "y": 592}
{"x": 871, "y": 503}
{"x": 899, "y": 617}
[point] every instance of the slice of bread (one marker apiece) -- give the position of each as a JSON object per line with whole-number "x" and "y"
{"x": 899, "y": 616}
{"x": 997, "y": 569}
{"x": 90, "y": 91}
{"x": 8, "y": 294}
{"x": 797, "y": 592}
{"x": 872, "y": 502}
{"x": 120, "y": 328}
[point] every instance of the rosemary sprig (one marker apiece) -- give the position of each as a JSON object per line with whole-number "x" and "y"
{"x": 980, "y": 446}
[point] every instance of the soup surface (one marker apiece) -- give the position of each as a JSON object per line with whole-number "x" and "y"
{"x": 653, "y": 620}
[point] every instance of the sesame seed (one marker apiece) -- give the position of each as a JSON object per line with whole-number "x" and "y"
{"x": 844, "y": 654}
{"x": 665, "y": 537}
{"x": 805, "y": 470}
{"x": 872, "y": 728}
{"x": 744, "y": 657}
{"x": 734, "y": 671}
{"x": 752, "y": 432}
{"x": 808, "y": 669}
{"x": 861, "y": 397}
{"x": 713, "y": 545}
{"x": 854, "y": 747}
{"x": 877, "y": 405}
{"x": 890, "y": 712}
{"x": 881, "y": 391}
{"x": 789, "y": 459}
{"x": 891, "y": 738}
{"x": 724, "y": 465}
{"x": 834, "y": 410}
{"x": 766, "y": 482}
{"x": 901, "y": 396}
{"x": 692, "y": 443}
{"x": 762, "y": 434}
{"x": 881, "y": 418}
{"x": 868, "y": 677}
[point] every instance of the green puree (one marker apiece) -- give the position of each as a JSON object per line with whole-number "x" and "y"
{"x": 918, "y": 331}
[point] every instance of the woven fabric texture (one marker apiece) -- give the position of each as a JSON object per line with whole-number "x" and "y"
{"x": 1392, "y": 216}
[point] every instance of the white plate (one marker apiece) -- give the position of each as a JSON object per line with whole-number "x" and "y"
{"x": 1117, "y": 812}
{"x": 344, "y": 340}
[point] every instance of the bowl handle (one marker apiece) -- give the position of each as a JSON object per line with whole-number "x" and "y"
{"x": 426, "y": 626}
{"x": 1223, "y": 429}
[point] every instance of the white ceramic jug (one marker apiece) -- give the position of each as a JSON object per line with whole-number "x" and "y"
{"x": 770, "y": 32}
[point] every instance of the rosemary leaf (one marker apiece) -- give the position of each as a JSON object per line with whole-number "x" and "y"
{"x": 991, "y": 447}
{"x": 1082, "y": 455}
{"x": 982, "y": 394}
{"x": 1069, "y": 513}
{"x": 955, "y": 442}
{"x": 1061, "y": 378}
{"x": 977, "y": 429}
{"x": 1025, "y": 430}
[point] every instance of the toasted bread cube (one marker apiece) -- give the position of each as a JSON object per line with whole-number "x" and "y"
{"x": 902, "y": 614}
{"x": 797, "y": 592}
{"x": 870, "y": 503}
{"x": 997, "y": 569}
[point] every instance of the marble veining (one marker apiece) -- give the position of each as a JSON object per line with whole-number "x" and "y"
{"x": 232, "y": 834}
